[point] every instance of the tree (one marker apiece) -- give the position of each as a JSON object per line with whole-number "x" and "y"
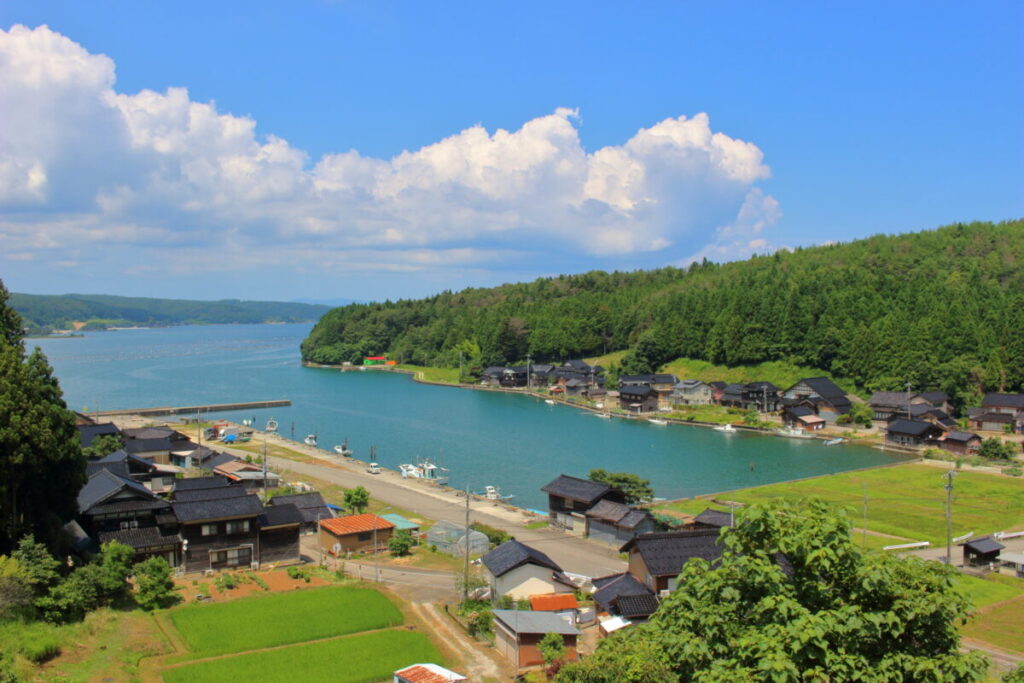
{"x": 794, "y": 599}
{"x": 100, "y": 583}
{"x": 621, "y": 659}
{"x": 860, "y": 414}
{"x": 40, "y": 569}
{"x": 41, "y": 462}
{"x": 400, "y": 543}
{"x": 154, "y": 586}
{"x": 102, "y": 446}
{"x": 357, "y": 499}
{"x": 552, "y": 647}
{"x": 996, "y": 449}
{"x": 636, "y": 490}
{"x": 15, "y": 592}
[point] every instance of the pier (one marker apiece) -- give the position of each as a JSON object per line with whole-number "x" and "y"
{"x": 190, "y": 410}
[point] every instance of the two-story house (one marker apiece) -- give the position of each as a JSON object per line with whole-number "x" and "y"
{"x": 691, "y": 392}
{"x": 828, "y": 399}
{"x": 656, "y": 559}
{"x": 219, "y": 533}
{"x": 569, "y": 499}
{"x": 519, "y": 571}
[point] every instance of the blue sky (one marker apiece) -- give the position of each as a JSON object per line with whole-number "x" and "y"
{"x": 349, "y": 149}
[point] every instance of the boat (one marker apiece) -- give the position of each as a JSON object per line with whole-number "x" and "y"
{"x": 657, "y": 421}
{"x": 310, "y": 440}
{"x": 492, "y": 493}
{"x": 425, "y": 470}
{"x": 343, "y": 449}
{"x": 793, "y": 433}
{"x": 835, "y": 442}
{"x": 247, "y": 422}
{"x": 549, "y": 401}
{"x": 603, "y": 416}
{"x": 373, "y": 468}
{"x": 271, "y": 425}
{"x": 727, "y": 428}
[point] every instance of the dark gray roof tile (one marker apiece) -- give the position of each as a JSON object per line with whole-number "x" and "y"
{"x": 574, "y": 488}
{"x": 512, "y": 554}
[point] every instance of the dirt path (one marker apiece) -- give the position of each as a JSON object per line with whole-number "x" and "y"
{"x": 478, "y": 664}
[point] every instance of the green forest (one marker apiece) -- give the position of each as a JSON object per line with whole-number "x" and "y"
{"x": 940, "y": 309}
{"x": 43, "y": 313}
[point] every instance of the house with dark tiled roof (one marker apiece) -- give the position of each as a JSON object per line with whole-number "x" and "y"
{"x": 732, "y": 397}
{"x": 887, "y": 404}
{"x": 713, "y": 519}
{"x": 638, "y": 398}
{"x": 656, "y": 559}
{"x": 519, "y": 571}
{"x": 960, "y": 443}
{"x": 615, "y": 523}
{"x": 623, "y": 595}
{"x": 354, "y": 534}
{"x": 311, "y": 505}
{"x": 515, "y": 376}
{"x": 802, "y": 416}
{"x": 911, "y": 433}
{"x": 192, "y": 483}
{"x": 220, "y": 533}
{"x": 116, "y": 508}
{"x": 89, "y": 431}
{"x": 491, "y": 376}
{"x": 662, "y": 385}
{"x": 279, "y": 534}
{"x": 541, "y": 374}
{"x": 126, "y": 465}
{"x": 829, "y": 400}
{"x": 210, "y": 493}
{"x": 569, "y": 498}
{"x": 999, "y": 412}
{"x": 691, "y": 392}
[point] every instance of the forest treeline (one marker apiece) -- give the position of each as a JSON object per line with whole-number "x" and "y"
{"x": 42, "y": 313}
{"x": 940, "y": 309}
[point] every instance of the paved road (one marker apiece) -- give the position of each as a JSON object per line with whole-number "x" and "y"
{"x": 573, "y": 554}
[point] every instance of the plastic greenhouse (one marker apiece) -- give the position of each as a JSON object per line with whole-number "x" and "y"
{"x": 451, "y": 538}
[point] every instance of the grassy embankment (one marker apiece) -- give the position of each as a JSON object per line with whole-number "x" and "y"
{"x": 905, "y": 501}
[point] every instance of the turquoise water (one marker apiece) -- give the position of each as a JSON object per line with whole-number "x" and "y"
{"x": 509, "y": 441}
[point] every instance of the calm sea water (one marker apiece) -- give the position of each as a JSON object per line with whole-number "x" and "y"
{"x": 513, "y": 442}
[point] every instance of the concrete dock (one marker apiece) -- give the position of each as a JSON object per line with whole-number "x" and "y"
{"x": 192, "y": 410}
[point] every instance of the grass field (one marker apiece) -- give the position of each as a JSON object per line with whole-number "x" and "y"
{"x": 907, "y": 501}
{"x": 1002, "y": 625}
{"x": 283, "y": 618}
{"x": 991, "y": 589}
{"x": 353, "y": 659}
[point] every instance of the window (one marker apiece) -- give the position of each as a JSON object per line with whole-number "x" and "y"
{"x": 238, "y": 527}
{"x": 365, "y": 536}
{"x": 209, "y": 529}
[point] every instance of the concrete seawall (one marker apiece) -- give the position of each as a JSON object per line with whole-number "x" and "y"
{"x": 190, "y": 410}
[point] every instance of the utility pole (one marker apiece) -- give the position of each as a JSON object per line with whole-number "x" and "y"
{"x": 264, "y": 469}
{"x": 529, "y": 383}
{"x": 460, "y": 366}
{"x": 908, "y": 400}
{"x": 465, "y": 571}
{"x": 949, "y": 517}
{"x": 864, "y": 524}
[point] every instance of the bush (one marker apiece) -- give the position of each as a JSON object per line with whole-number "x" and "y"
{"x": 153, "y": 583}
{"x": 400, "y": 543}
{"x": 41, "y": 649}
{"x": 225, "y": 582}
{"x": 495, "y": 536}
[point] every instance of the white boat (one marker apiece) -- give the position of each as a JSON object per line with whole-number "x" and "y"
{"x": 425, "y": 470}
{"x": 793, "y": 433}
{"x": 835, "y": 442}
{"x": 247, "y": 422}
{"x": 492, "y": 493}
{"x": 657, "y": 421}
{"x": 603, "y": 416}
{"x": 343, "y": 449}
{"x": 271, "y": 425}
{"x": 310, "y": 440}
{"x": 549, "y": 401}
{"x": 373, "y": 468}
{"x": 727, "y": 427}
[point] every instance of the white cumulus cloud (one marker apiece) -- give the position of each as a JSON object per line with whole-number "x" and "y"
{"x": 82, "y": 164}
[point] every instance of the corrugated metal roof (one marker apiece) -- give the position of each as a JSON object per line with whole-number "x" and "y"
{"x": 534, "y": 622}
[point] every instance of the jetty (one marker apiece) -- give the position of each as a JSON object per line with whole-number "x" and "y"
{"x": 191, "y": 410}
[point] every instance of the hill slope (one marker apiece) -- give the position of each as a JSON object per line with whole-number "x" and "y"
{"x": 45, "y": 312}
{"x": 942, "y": 308}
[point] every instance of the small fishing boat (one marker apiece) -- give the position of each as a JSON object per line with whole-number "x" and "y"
{"x": 425, "y": 470}
{"x": 657, "y": 421}
{"x": 271, "y": 425}
{"x": 343, "y": 449}
{"x": 727, "y": 428}
{"x": 549, "y": 401}
{"x": 793, "y": 433}
{"x": 310, "y": 440}
{"x": 603, "y": 416}
{"x": 492, "y": 493}
{"x": 835, "y": 442}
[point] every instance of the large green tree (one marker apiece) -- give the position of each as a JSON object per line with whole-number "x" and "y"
{"x": 41, "y": 463}
{"x": 636, "y": 490}
{"x": 793, "y": 599}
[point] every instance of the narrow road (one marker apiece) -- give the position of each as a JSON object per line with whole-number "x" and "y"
{"x": 573, "y": 554}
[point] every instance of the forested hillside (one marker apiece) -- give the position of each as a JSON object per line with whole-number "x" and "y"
{"x": 942, "y": 308}
{"x": 44, "y": 312}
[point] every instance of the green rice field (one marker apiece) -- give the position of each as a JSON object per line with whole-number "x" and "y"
{"x": 283, "y": 618}
{"x": 906, "y": 501}
{"x": 353, "y": 659}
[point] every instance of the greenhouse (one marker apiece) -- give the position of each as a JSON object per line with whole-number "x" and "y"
{"x": 451, "y": 538}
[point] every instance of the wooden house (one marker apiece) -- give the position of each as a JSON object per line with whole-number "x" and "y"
{"x": 491, "y": 377}
{"x": 514, "y": 376}
{"x": 220, "y": 533}
{"x": 354, "y": 534}
{"x": 828, "y": 399}
{"x": 662, "y": 385}
{"x": 982, "y": 551}
{"x": 519, "y": 571}
{"x": 624, "y": 596}
{"x": 312, "y": 507}
{"x": 569, "y": 498}
{"x": 517, "y": 635}
{"x": 638, "y": 398}
{"x": 803, "y": 417}
{"x": 656, "y": 559}
{"x": 999, "y": 412}
{"x": 888, "y": 404}
{"x": 911, "y": 433}
{"x": 691, "y": 392}
{"x": 615, "y": 523}
{"x": 717, "y": 391}
{"x": 960, "y": 443}
{"x": 279, "y": 534}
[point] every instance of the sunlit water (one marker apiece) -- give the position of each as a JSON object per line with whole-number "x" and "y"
{"x": 509, "y": 441}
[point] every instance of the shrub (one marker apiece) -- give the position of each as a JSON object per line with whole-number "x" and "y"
{"x": 225, "y": 582}
{"x": 40, "y": 649}
{"x": 153, "y": 582}
{"x": 495, "y": 536}
{"x": 400, "y": 543}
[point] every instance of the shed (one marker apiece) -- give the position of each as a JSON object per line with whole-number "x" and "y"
{"x": 354, "y": 533}
{"x": 982, "y": 551}
{"x": 401, "y": 523}
{"x": 563, "y": 604}
{"x": 517, "y": 635}
{"x": 451, "y": 538}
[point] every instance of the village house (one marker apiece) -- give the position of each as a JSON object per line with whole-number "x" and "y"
{"x": 829, "y": 401}
{"x": 982, "y": 551}
{"x": 911, "y": 433}
{"x": 569, "y": 498}
{"x": 717, "y": 391}
{"x": 999, "y": 412}
{"x": 491, "y": 377}
{"x": 427, "y": 673}
{"x": 564, "y": 605}
{"x": 541, "y": 374}
{"x": 638, "y": 398}
{"x": 761, "y": 396}
{"x": 622, "y": 595}
{"x": 691, "y": 392}
{"x": 960, "y": 443}
{"x": 887, "y": 404}
{"x": 656, "y": 559}
{"x": 89, "y": 431}
{"x": 249, "y": 475}
{"x": 219, "y": 533}
{"x": 929, "y": 413}
{"x": 157, "y": 478}
{"x": 514, "y": 376}
{"x": 153, "y": 443}
{"x": 661, "y": 384}
{"x": 312, "y": 507}
{"x": 279, "y": 534}
{"x": 732, "y": 397}
{"x": 712, "y": 519}
{"x": 517, "y": 635}
{"x": 615, "y": 523}
{"x": 803, "y": 417}
{"x": 519, "y": 571}
{"x": 354, "y": 534}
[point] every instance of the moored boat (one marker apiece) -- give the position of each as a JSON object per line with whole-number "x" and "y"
{"x": 727, "y": 428}
{"x": 425, "y": 470}
{"x": 549, "y": 401}
{"x": 343, "y": 449}
{"x": 492, "y": 493}
{"x": 603, "y": 416}
{"x": 793, "y": 433}
{"x": 835, "y": 442}
{"x": 271, "y": 425}
{"x": 657, "y": 421}
{"x": 310, "y": 440}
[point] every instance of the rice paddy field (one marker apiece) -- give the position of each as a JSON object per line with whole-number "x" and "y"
{"x": 904, "y": 501}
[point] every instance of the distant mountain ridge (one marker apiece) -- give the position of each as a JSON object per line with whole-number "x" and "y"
{"x": 44, "y": 312}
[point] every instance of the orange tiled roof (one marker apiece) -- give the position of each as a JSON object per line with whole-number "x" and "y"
{"x": 553, "y": 602}
{"x": 417, "y": 673}
{"x": 235, "y": 466}
{"x": 355, "y": 524}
